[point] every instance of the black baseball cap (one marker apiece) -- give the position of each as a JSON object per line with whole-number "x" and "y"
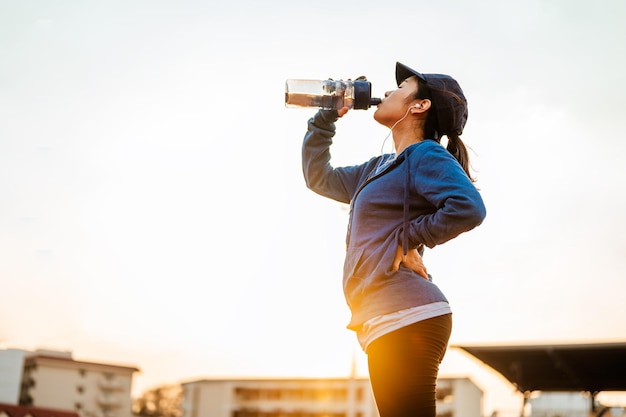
{"x": 447, "y": 99}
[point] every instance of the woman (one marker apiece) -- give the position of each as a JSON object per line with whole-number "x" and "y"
{"x": 421, "y": 195}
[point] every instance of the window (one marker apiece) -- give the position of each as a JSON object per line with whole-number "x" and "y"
{"x": 26, "y": 399}
{"x": 445, "y": 394}
{"x": 359, "y": 394}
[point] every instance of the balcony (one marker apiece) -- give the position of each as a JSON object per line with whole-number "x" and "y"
{"x": 110, "y": 385}
{"x": 109, "y": 401}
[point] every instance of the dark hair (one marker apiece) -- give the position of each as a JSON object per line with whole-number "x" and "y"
{"x": 455, "y": 145}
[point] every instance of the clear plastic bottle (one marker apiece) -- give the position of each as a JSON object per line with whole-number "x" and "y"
{"x": 330, "y": 94}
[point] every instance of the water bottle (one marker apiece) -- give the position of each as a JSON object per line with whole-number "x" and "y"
{"x": 330, "y": 94}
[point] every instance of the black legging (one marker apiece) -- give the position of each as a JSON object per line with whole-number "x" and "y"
{"x": 403, "y": 367}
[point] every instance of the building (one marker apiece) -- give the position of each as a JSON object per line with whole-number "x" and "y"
{"x": 559, "y": 404}
{"x": 55, "y": 380}
{"x": 312, "y": 397}
{"x": 11, "y": 365}
{"x": 458, "y": 397}
{"x": 571, "y": 404}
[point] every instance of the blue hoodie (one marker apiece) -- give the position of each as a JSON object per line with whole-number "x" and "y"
{"x": 422, "y": 198}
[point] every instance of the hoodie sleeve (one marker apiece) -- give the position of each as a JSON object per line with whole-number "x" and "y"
{"x": 320, "y": 176}
{"x": 440, "y": 179}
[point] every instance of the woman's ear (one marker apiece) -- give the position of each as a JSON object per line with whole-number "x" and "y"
{"x": 421, "y": 106}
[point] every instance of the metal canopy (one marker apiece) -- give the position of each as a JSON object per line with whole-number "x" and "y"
{"x": 567, "y": 367}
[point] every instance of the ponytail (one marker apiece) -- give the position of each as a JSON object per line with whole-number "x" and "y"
{"x": 458, "y": 149}
{"x": 432, "y": 125}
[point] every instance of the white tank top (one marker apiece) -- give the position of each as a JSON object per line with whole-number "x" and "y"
{"x": 381, "y": 325}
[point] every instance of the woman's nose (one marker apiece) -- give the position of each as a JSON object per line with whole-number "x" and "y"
{"x": 387, "y": 93}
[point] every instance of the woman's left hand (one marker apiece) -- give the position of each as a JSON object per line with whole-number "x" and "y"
{"x": 413, "y": 261}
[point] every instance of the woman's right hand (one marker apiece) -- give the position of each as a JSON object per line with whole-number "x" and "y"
{"x": 412, "y": 260}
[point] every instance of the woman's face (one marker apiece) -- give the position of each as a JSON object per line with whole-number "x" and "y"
{"x": 396, "y": 103}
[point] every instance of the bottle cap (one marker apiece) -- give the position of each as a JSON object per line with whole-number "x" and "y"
{"x": 362, "y": 94}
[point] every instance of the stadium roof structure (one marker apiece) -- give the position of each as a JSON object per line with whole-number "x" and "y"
{"x": 592, "y": 367}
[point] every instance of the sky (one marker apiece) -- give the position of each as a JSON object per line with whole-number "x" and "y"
{"x": 152, "y": 206}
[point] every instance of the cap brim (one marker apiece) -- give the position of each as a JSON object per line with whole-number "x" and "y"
{"x": 403, "y": 72}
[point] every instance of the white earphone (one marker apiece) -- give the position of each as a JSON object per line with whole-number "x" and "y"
{"x": 416, "y": 106}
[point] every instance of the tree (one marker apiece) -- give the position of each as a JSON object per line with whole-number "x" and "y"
{"x": 163, "y": 401}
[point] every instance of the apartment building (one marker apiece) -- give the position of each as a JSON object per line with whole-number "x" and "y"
{"x": 315, "y": 397}
{"x": 459, "y": 397}
{"x": 55, "y": 380}
{"x": 11, "y": 364}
